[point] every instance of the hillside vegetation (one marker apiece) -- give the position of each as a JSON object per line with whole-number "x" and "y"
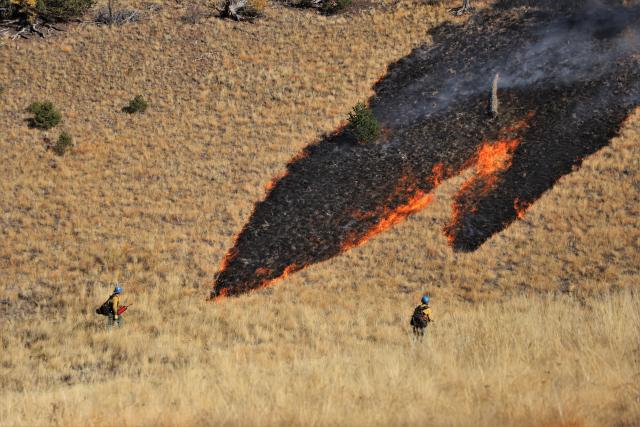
{"x": 537, "y": 327}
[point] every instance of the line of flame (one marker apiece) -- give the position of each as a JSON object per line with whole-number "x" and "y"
{"x": 415, "y": 204}
{"x": 492, "y": 159}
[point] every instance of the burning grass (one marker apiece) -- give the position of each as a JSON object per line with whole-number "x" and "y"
{"x": 492, "y": 160}
{"x": 341, "y": 194}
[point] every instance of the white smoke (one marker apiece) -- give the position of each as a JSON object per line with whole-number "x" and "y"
{"x": 581, "y": 48}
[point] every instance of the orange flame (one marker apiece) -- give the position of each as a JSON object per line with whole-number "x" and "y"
{"x": 492, "y": 159}
{"x": 288, "y": 270}
{"x": 496, "y": 157}
{"x": 415, "y": 204}
{"x": 222, "y": 293}
{"x": 274, "y": 181}
{"x": 391, "y": 216}
{"x": 520, "y": 208}
{"x": 438, "y": 171}
{"x": 231, "y": 254}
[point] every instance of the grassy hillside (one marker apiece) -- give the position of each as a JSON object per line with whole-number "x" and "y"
{"x": 153, "y": 201}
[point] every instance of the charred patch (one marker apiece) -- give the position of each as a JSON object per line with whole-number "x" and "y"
{"x": 566, "y": 84}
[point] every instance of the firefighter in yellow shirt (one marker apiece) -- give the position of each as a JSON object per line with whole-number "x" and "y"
{"x": 114, "y": 304}
{"x": 421, "y": 317}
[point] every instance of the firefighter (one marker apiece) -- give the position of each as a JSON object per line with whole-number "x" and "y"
{"x": 111, "y": 306}
{"x": 421, "y": 317}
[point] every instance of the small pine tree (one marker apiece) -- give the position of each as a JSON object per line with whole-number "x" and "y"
{"x": 137, "y": 105}
{"x": 64, "y": 143}
{"x": 363, "y": 124}
{"x": 45, "y": 115}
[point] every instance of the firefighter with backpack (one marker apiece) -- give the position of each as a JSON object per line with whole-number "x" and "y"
{"x": 112, "y": 308}
{"x": 421, "y": 317}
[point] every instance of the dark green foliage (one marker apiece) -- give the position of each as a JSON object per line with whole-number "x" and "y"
{"x": 329, "y": 7}
{"x": 136, "y": 105}
{"x": 363, "y": 124}
{"x": 7, "y": 9}
{"x": 64, "y": 143}
{"x": 45, "y": 115}
{"x": 63, "y": 10}
{"x": 48, "y": 10}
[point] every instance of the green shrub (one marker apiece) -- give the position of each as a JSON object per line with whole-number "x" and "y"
{"x": 64, "y": 143}
{"x": 136, "y": 105}
{"x": 12, "y": 8}
{"x": 363, "y": 124}
{"x": 63, "y": 10}
{"x": 1, "y": 90}
{"x": 45, "y": 115}
{"x": 329, "y": 7}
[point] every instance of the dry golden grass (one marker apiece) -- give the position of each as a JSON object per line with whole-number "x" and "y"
{"x": 305, "y": 359}
{"x": 153, "y": 200}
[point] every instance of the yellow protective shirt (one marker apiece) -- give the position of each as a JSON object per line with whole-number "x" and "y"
{"x": 426, "y": 311}
{"x": 114, "y": 301}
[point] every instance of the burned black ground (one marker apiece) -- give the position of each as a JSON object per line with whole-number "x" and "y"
{"x": 576, "y": 75}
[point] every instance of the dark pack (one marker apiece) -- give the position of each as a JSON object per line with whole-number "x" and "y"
{"x": 418, "y": 319}
{"x": 105, "y": 309}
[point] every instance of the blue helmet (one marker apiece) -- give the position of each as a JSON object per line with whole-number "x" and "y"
{"x": 425, "y": 299}
{"x": 117, "y": 290}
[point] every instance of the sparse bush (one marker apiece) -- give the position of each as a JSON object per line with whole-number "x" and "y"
{"x": 1, "y": 90}
{"x": 136, "y": 105}
{"x": 243, "y": 10}
{"x": 363, "y": 124}
{"x": 64, "y": 143}
{"x": 330, "y": 7}
{"x": 109, "y": 16}
{"x": 45, "y": 115}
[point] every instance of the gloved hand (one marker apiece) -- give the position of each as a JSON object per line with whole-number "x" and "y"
{"x": 115, "y": 317}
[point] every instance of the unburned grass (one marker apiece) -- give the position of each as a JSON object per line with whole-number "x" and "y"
{"x": 293, "y": 359}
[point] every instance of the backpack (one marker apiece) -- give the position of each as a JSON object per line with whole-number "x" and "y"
{"x": 418, "y": 319}
{"x": 105, "y": 309}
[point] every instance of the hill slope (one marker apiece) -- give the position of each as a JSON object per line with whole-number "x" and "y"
{"x": 153, "y": 200}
